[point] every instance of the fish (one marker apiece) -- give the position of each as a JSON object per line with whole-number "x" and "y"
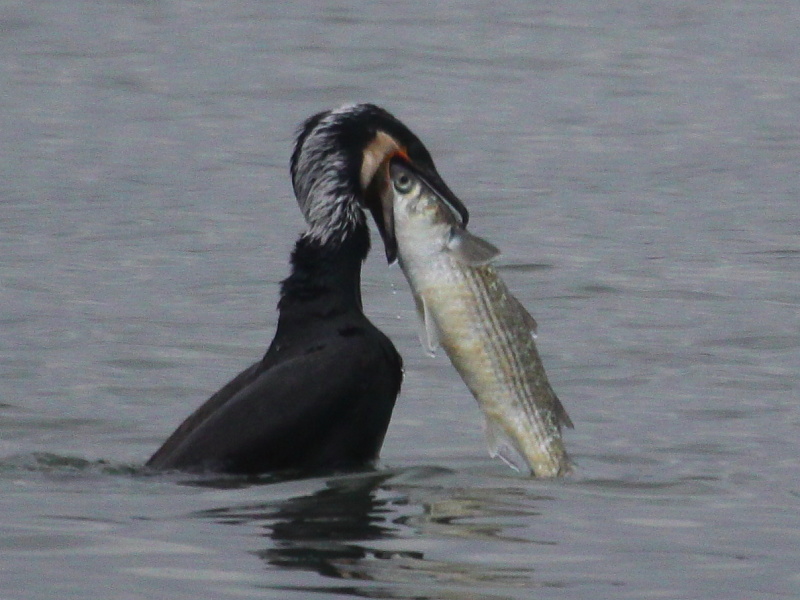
{"x": 467, "y": 309}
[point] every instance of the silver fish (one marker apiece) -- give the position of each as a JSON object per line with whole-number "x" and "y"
{"x": 485, "y": 331}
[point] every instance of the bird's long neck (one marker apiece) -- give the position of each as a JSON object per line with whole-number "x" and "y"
{"x": 326, "y": 274}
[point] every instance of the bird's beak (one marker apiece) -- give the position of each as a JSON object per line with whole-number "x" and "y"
{"x": 380, "y": 199}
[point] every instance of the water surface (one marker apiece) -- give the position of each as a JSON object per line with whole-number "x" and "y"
{"x": 636, "y": 163}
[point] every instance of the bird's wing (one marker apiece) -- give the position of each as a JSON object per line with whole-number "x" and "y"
{"x": 208, "y": 408}
{"x": 277, "y": 415}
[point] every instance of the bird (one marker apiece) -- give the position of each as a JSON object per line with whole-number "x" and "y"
{"x": 322, "y": 396}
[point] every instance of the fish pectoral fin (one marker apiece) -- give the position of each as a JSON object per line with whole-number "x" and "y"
{"x": 501, "y": 446}
{"x": 470, "y": 249}
{"x": 427, "y": 330}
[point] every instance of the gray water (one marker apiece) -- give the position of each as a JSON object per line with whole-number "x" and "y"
{"x": 636, "y": 161}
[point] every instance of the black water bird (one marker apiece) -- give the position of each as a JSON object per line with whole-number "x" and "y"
{"x": 324, "y": 392}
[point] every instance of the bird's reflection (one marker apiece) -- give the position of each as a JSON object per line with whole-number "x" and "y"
{"x": 358, "y": 528}
{"x": 326, "y": 530}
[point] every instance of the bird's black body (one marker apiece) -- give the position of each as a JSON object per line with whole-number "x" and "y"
{"x": 323, "y": 394}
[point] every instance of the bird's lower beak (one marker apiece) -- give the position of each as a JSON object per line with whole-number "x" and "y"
{"x": 379, "y": 202}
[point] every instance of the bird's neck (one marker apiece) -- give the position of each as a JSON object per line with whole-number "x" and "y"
{"x": 327, "y": 272}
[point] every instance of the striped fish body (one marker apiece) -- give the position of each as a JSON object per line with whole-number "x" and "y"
{"x": 487, "y": 334}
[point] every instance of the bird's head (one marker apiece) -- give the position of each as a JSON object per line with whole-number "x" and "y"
{"x": 340, "y": 166}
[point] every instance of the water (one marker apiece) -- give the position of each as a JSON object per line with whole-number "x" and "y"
{"x": 638, "y": 164}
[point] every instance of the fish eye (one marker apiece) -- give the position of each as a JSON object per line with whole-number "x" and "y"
{"x": 403, "y": 183}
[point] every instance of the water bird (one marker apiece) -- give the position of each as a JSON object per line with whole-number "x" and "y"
{"x": 486, "y": 332}
{"x": 323, "y": 394}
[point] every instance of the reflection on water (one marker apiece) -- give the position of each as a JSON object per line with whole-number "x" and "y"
{"x": 361, "y": 528}
{"x": 325, "y": 532}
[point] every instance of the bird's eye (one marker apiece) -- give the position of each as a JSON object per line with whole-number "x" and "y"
{"x": 403, "y": 183}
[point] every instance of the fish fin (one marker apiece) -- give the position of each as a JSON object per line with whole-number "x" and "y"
{"x": 470, "y": 249}
{"x": 527, "y": 318}
{"x": 501, "y": 446}
{"x": 562, "y": 418}
{"x": 427, "y": 330}
{"x": 561, "y": 412}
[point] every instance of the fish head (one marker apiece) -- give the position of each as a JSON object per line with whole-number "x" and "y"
{"x": 413, "y": 197}
{"x": 382, "y": 191}
{"x": 417, "y": 208}
{"x": 396, "y": 144}
{"x": 428, "y": 221}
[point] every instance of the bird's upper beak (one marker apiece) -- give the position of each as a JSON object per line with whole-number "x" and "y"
{"x": 380, "y": 199}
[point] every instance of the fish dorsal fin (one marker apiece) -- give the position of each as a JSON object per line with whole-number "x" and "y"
{"x": 470, "y": 249}
{"x": 501, "y": 446}
{"x": 527, "y": 317}
{"x": 561, "y": 412}
{"x": 427, "y": 330}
